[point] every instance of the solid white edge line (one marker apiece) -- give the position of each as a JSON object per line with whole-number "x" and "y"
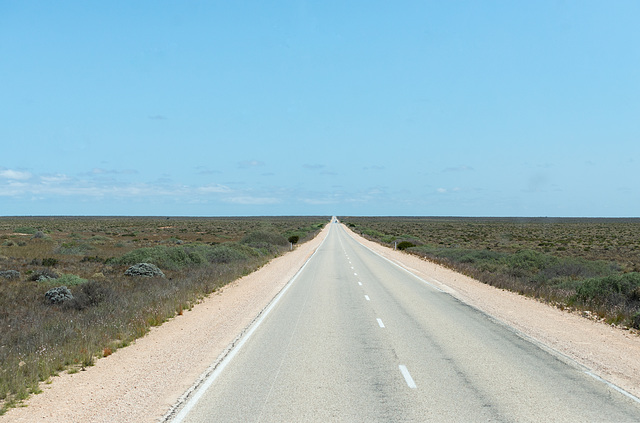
{"x": 407, "y": 376}
{"x": 380, "y": 323}
{"x": 193, "y": 400}
{"x": 614, "y": 387}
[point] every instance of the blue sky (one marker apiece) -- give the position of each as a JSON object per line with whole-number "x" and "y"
{"x": 466, "y": 108}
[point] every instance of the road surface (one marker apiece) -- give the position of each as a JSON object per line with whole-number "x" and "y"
{"x": 355, "y": 338}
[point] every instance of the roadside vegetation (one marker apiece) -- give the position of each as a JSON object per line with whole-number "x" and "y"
{"x": 589, "y": 265}
{"x": 45, "y": 329}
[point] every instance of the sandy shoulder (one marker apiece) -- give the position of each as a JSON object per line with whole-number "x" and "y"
{"x": 141, "y": 382}
{"x": 609, "y": 352}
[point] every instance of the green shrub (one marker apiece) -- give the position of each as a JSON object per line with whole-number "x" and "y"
{"x": 405, "y": 244}
{"x": 610, "y": 290}
{"x": 69, "y": 280}
{"x": 178, "y": 257}
{"x": 388, "y": 239}
{"x": 528, "y": 262}
{"x": 49, "y": 262}
{"x": 25, "y": 230}
{"x": 74, "y": 248}
{"x": 43, "y": 275}
{"x": 262, "y": 239}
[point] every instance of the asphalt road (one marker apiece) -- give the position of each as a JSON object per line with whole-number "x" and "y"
{"x": 355, "y": 338}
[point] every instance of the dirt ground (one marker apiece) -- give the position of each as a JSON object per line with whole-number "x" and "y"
{"x": 140, "y": 383}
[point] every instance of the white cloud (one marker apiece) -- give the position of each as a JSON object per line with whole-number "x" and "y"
{"x": 54, "y": 179}
{"x": 447, "y": 190}
{"x": 15, "y": 174}
{"x": 100, "y": 171}
{"x": 213, "y": 189}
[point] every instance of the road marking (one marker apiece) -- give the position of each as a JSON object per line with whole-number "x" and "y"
{"x": 612, "y": 386}
{"x": 380, "y": 323}
{"x": 193, "y": 395}
{"x": 407, "y": 376}
{"x": 400, "y": 266}
{"x": 360, "y": 283}
{"x": 352, "y": 267}
{"x": 367, "y": 297}
{"x": 355, "y": 274}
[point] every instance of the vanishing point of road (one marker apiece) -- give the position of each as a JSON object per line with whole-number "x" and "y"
{"x": 355, "y": 338}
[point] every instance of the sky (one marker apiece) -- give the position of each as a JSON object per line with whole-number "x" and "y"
{"x": 368, "y": 108}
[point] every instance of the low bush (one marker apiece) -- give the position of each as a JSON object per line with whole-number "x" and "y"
{"x": 294, "y": 239}
{"x": 43, "y": 275}
{"x": 58, "y": 295}
{"x": 615, "y": 290}
{"x": 74, "y": 248}
{"x": 25, "y": 230}
{"x": 89, "y": 294}
{"x": 264, "y": 239}
{"x": 405, "y": 244}
{"x": 179, "y": 257}
{"x": 70, "y": 280}
{"x": 39, "y": 235}
{"x": 9, "y": 274}
{"x": 49, "y": 261}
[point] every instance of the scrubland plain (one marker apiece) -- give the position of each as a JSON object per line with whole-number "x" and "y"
{"x": 89, "y": 256}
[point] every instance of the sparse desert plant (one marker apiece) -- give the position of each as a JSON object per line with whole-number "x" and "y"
{"x": 144, "y": 269}
{"x": 264, "y": 239}
{"x": 43, "y": 275}
{"x": 9, "y": 274}
{"x": 89, "y": 294}
{"x": 69, "y": 279}
{"x": 25, "y": 230}
{"x": 293, "y": 239}
{"x": 58, "y": 295}
{"x": 49, "y": 261}
{"x": 405, "y": 244}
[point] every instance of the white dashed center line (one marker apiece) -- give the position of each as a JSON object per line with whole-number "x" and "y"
{"x": 367, "y": 298}
{"x": 407, "y": 376}
{"x": 359, "y": 283}
{"x": 380, "y": 323}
